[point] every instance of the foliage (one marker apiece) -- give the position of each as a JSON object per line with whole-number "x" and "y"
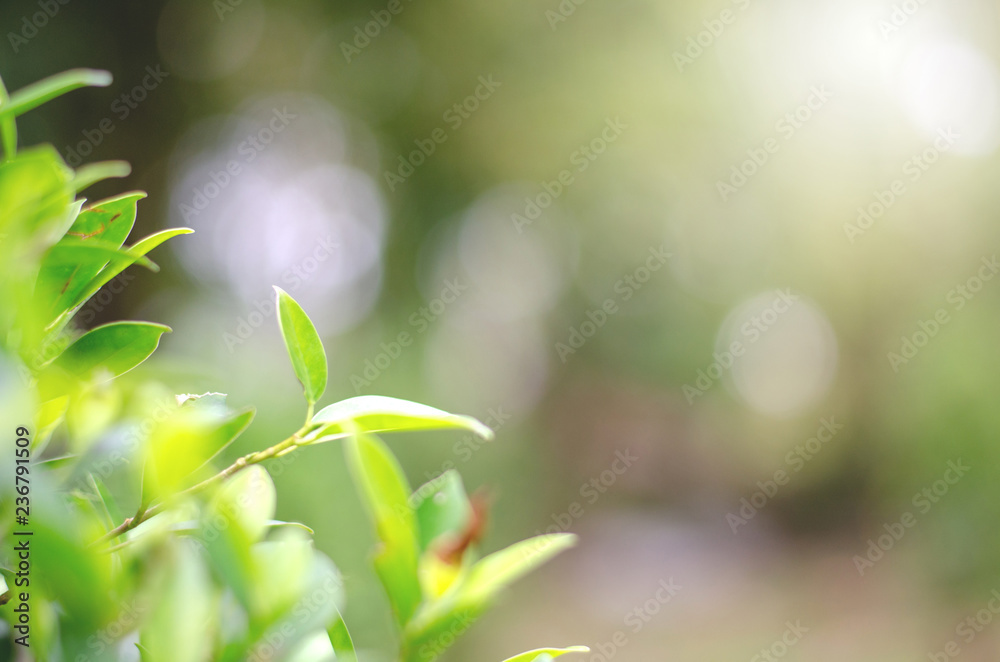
{"x": 201, "y": 570}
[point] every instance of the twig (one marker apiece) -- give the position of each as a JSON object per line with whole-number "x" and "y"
{"x": 144, "y": 513}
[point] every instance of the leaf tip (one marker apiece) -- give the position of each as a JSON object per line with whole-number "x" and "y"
{"x": 99, "y": 77}
{"x": 483, "y": 430}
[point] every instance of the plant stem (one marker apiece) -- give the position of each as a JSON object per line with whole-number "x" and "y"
{"x": 144, "y": 513}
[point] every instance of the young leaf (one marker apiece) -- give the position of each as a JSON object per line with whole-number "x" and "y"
{"x": 8, "y": 128}
{"x": 282, "y": 574}
{"x": 442, "y": 507}
{"x": 227, "y": 432}
{"x": 298, "y": 631}
{"x": 446, "y": 521}
{"x": 211, "y": 402}
{"x": 189, "y": 527}
{"x": 70, "y": 265}
{"x": 248, "y": 498}
{"x": 494, "y": 572}
{"x": 117, "y": 348}
{"x": 49, "y": 88}
{"x": 304, "y": 346}
{"x": 340, "y": 639}
{"x": 92, "y": 173}
{"x": 184, "y": 443}
{"x": 117, "y": 265}
{"x": 112, "y": 512}
{"x": 110, "y": 220}
{"x": 35, "y": 192}
{"x": 182, "y": 616}
{"x": 546, "y": 654}
{"x": 73, "y": 252}
{"x": 376, "y": 414}
{"x": 472, "y": 595}
{"x": 385, "y": 492}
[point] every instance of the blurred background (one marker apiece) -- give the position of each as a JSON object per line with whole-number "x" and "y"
{"x": 719, "y": 274}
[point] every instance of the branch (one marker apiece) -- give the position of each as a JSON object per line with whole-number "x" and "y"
{"x": 145, "y": 513}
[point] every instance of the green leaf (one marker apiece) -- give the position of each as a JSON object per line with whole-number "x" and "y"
{"x": 340, "y": 639}
{"x": 73, "y": 251}
{"x": 89, "y": 175}
{"x": 470, "y": 596}
{"x": 110, "y": 220}
{"x": 442, "y": 507}
{"x": 377, "y": 414}
{"x": 215, "y": 402}
{"x": 248, "y": 498}
{"x": 35, "y": 191}
{"x": 34, "y": 95}
{"x": 129, "y": 256}
{"x": 92, "y": 241}
{"x": 182, "y": 617}
{"x": 184, "y": 443}
{"x": 384, "y": 490}
{"x": 68, "y": 268}
{"x": 494, "y": 572}
{"x": 304, "y": 346}
{"x": 282, "y": 569}
{"x": 112, "y": 512}
{"x": 117, "y": 265}
{"x": 546, "y": 654}
{"x": 227, "y": 432}
{"x": 302, "y": 595}
{"x": 188, "y": 527}
{"x": 8, "y": 129}
{"x": 117, "y": 348}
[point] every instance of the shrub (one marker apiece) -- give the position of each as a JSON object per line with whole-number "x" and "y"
{"x": 200, "y": 570}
